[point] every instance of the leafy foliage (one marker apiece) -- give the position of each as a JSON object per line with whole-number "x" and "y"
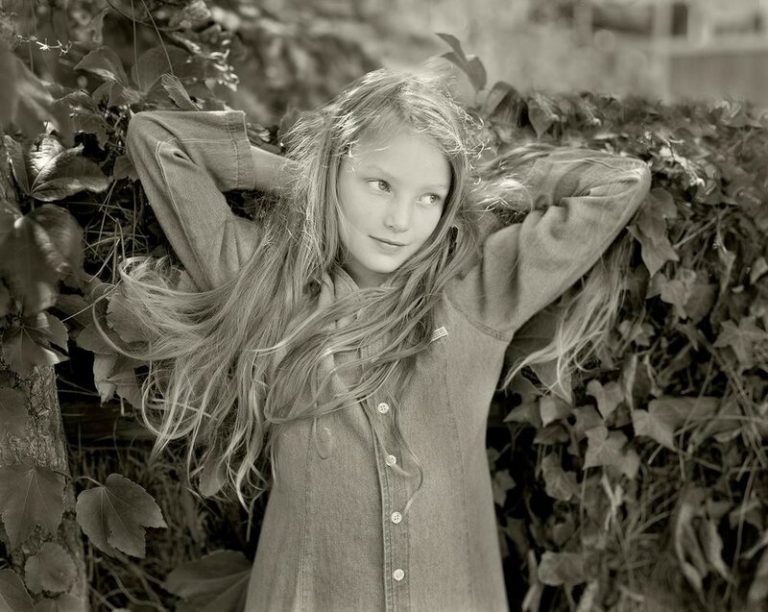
{"x": 51, "y": 570}
{"x": 30, "y": 496}
{"x": 665, "y": 440}
{"x": 13, "y": 595}
{"x": 115, "y": 514}
{"x": 216, "y": 582}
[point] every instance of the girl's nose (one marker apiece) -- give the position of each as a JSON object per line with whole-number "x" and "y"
{"x": 398, "y": 215}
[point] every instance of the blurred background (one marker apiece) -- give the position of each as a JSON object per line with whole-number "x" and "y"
{"x": 669, "y": 49}
{"x": 298, "y": 53}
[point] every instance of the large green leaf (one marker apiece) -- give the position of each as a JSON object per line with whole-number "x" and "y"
{"x": 43, "y": 247}
{"x": 15, "y": 156}
{"x": 13, "y": 595}
{"x": 216, "y": 583}
{"x": 565, "y": 568}
{"x": 30, "y": 496}
{"x": 156, "y": 62}
{"x": 51, "y": 569}
{"x": 105, "y": 63}
{"x": 559, "y": 483}
{"x": 67, "y": 173}
{"x": 114, "y": 515}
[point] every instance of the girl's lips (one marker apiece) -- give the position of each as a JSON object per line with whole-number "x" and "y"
{"x": 388, "y": 242}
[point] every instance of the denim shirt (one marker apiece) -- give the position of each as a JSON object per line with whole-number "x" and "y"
{"x": 339, "y": 532}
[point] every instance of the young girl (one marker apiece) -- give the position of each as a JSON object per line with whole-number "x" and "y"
{"x": 355, "y": 336}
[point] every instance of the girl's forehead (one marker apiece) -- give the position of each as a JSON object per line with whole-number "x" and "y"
{"x": 375, "y": 141}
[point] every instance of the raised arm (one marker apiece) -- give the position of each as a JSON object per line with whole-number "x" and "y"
{"x": 582, "y": 200}
{"x": 185, "y": 160}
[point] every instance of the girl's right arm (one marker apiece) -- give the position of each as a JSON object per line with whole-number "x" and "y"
{"x": 185, "y": 160}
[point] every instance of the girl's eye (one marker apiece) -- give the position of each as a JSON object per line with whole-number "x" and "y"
{"x": 379, "y": 185}
{"x": 432, "y": 199}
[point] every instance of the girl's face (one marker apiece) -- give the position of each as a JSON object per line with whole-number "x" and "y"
{"x": 392, "y": 192}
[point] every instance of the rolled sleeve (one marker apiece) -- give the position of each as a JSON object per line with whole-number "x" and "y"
{"x": 185, "y": 160}
{"x": 582, "y": 201}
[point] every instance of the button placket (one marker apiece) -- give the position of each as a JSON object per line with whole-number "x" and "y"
{"x": 395, "y": 530}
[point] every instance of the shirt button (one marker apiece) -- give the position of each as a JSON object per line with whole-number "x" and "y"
{"x": 383, "y": 407}
{"x": 398, "y": 574}
{"x": 396, "y": 517}
{"x": 391, "y": 460}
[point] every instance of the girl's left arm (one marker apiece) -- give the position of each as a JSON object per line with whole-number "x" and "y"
{"x": 582, "y": 201}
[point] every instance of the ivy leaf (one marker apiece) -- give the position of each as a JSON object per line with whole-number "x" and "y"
{"x": 586, "y": 418}
{"x": 676, "y": 411}
{"x": 78, "y": 112}
{"x": 608, "y": 397}
{"x": 698, "y": 546}
{"x": 53, "y": 329}
{"x": 30, "y": 496}
{"x": 176, "y": 92}
{"x": 476, "y": 72}
{"x": 527, "y": 412}
{"x": 552, "y": 434}
{"x": 759, "y": 268}
{"x": 51, "y": 569}
{"x": 153, "y": 64}
{"x": 194, "y": 14}
{"x": 105, "y": 63}
{"x": 471, "y": 65}
{"x": 650, "y": 230}
{"x": 553, "y": 409}
{"x": 502, "y": 482}
{"x": 743, "y": 339}
{"x": 59, "y": 237}
{"x": 217, "y": 582}
{"x": 66, "y": 174}
{"x": 9, "y": 212}
{"x": 564, "y": 568}
{"x": 541, "y": 113}
{"x": 43, "y": 247}
{"x": 41, "y": 154}
{"x": 15, "y": 157}
{"x": 120, "y": 320}
{"x": 678, "y": 291}
{"x": 24, "y": 354}
{"x": 559, "y": 484}
{"x": 24, "y": 266}
{"x": 454, "y": 43}
{"x": 103, "y": 366}
{"x": 124, "y": 168}
{"x": 497, "y": 94}
{"x": 63, "y": 603}
{"x": 13, "y": 595}
{"x": 116, "y": 94}
{"x": 605, "y": 448}
{"x": 647, "y": 424}
{"x": 14, "y": 417}
{"x": 90, "y": 339}
{"x": 114, "y": 515}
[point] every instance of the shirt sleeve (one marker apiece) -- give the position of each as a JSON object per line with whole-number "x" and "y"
{"x": 582, "y": 200}
{"x": 185, "y": 160}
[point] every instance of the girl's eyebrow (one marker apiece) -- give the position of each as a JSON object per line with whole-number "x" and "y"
{"x": 388, "y": 176}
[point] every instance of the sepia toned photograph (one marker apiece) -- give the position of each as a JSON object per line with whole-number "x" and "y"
{"x": 384, "y": 305}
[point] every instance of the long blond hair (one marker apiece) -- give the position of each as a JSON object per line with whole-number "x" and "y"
{"x": 230, "y": 367}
